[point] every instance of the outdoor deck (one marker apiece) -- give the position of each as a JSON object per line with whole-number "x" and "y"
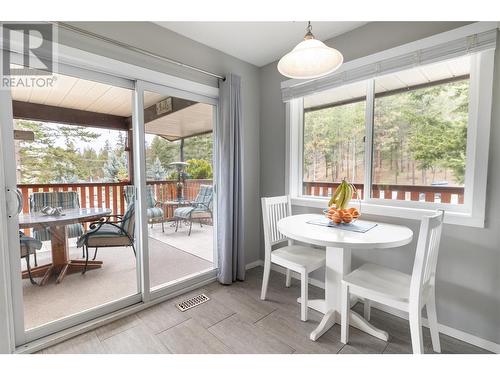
{"x": 173, "y": 255}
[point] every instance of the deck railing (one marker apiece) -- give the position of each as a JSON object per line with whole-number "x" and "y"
{"x": 442, "y": 194}
{"x": 111, "y": 194}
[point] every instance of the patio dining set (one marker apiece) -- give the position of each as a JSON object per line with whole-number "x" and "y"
{"x": 104, "y": 230}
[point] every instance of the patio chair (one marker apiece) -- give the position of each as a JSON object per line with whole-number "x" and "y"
{"x": 154, "y": 211}
{"x": 108, "y": 233}
{"x": 64, "y": 199}
{"x": 201, "y": 208}
{"x": 28, "y": 246}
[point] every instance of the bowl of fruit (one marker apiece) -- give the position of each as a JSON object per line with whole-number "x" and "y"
{"x": 338, "y": 211}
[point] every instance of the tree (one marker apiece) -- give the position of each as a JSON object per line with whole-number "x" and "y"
{"x": 199, "y": 169}
{"x": 115, "y": 169}
{"x": 52, "y": 156}
{"x": 199, "y": 147}
{"x": 165, "y": 151}
{"x": 156, "y": 171}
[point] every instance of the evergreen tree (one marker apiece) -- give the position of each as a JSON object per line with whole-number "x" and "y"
{"x": 156, "y": 171}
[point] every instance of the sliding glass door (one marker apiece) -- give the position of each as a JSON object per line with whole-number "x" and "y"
{"x": 69, "y": 145}
{"x": 179, "y": 190}
{"x": 110, "y": 196}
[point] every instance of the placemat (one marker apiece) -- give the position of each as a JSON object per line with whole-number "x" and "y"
{"x": 359, "y": 226}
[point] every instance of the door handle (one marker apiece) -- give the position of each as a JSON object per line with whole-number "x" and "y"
{"x": 19, "y": 201}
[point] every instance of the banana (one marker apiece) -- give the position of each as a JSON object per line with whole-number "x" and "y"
{"x": 334, "y": 197}
{"x": 347, "y": 195}
{"x": 342, "y": 195}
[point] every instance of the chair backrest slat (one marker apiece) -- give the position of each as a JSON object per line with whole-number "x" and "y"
{"x": 128, "y": 221}
{"x": 426, "y": 256}
{"x": 273, "y": 210}
{"x": 64, "y": 199}
{"x": 205, "y": 196}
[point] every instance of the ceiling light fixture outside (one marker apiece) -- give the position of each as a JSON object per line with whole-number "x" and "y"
{"x": 311, "y": 58}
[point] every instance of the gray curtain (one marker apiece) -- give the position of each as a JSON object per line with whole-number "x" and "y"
{"x": 229, "y": 183}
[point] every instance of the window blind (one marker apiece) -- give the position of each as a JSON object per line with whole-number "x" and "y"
{"x": 465, "y": 45}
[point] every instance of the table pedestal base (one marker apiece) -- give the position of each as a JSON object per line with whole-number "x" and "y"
{"x": 332, "y": 316}
{"x": 47, "y": 270}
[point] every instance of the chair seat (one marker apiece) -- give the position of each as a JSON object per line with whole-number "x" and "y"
{"x": 28, "y": 245}
{"x": 302, "y": 256}
{"x": 381, "y": 280}
{"x": 155, "y": 215}
{"x": 107, "y": 235}
{"x": 183, "y": 212}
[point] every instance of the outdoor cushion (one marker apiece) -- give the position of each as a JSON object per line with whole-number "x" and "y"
{"x": 43, "y": 234}
{"x": 150, "y": 199}
{"x": 183, "y": 212}
{"x": 64, "y": 199}
{"x": 28, "y": 245}
{"x": 103, "y": 241}
{"x": 154, "y": 213}
{"x": 201, "y": 204}
{"x": 111, "y": 235}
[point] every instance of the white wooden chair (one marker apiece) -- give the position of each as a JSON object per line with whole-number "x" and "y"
{"x": 399, "y": 290}
{"x": 301, "y": 259}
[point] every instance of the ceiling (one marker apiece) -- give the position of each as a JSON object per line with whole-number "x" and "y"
{"x": 258, "y": 43}
{"x": 76, "y": 93}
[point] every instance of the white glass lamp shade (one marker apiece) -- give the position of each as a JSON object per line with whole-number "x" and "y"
{"x": 311, "y": 58}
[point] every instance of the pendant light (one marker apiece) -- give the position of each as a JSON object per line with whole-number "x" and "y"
{"x": 311, "y": 58}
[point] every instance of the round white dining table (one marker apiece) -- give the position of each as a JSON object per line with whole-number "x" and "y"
{"x": 338, "y": 244}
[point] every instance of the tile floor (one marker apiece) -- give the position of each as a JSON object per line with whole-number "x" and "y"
{"x": 235, "y": 320}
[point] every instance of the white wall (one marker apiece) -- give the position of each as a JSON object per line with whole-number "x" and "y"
{"x": 159, "y": 40}
{"x": 468, "y": 278}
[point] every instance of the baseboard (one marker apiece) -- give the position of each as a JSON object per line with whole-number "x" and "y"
{"x": 257, "y": 263}
{"x": 452, "y": 332}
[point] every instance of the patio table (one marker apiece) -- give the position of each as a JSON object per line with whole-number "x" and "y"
{"x": 61, "y": 264}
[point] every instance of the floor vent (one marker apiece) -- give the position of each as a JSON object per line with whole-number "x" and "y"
{"x": 192, "y": 302}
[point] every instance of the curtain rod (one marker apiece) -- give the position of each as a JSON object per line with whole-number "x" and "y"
{"x": 136, "y": 49}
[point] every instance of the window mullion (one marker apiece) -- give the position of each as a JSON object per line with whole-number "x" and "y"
{"x": 369, "y": 113}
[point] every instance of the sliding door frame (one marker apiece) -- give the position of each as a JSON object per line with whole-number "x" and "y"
{"x": 153, "y": 292}
{"x": 107, "y": 70}
{"x": 23, "y": 335}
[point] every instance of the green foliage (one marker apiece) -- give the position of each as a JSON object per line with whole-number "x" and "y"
{"x": 423, "y": 129}
{"x": 335, "y": 135}
{"x": 45, "y": 160}
{"x": 166, "y": 152}
{"x": 63, "y": 153}
{"x": 197, "y": 149}
{"x": 115, "y": 169}
{"x": 156, "y": 171}
{"x": 199, "y": 169}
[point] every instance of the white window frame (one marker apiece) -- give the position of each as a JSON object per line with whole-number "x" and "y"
{"x": 471, "y": 213}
